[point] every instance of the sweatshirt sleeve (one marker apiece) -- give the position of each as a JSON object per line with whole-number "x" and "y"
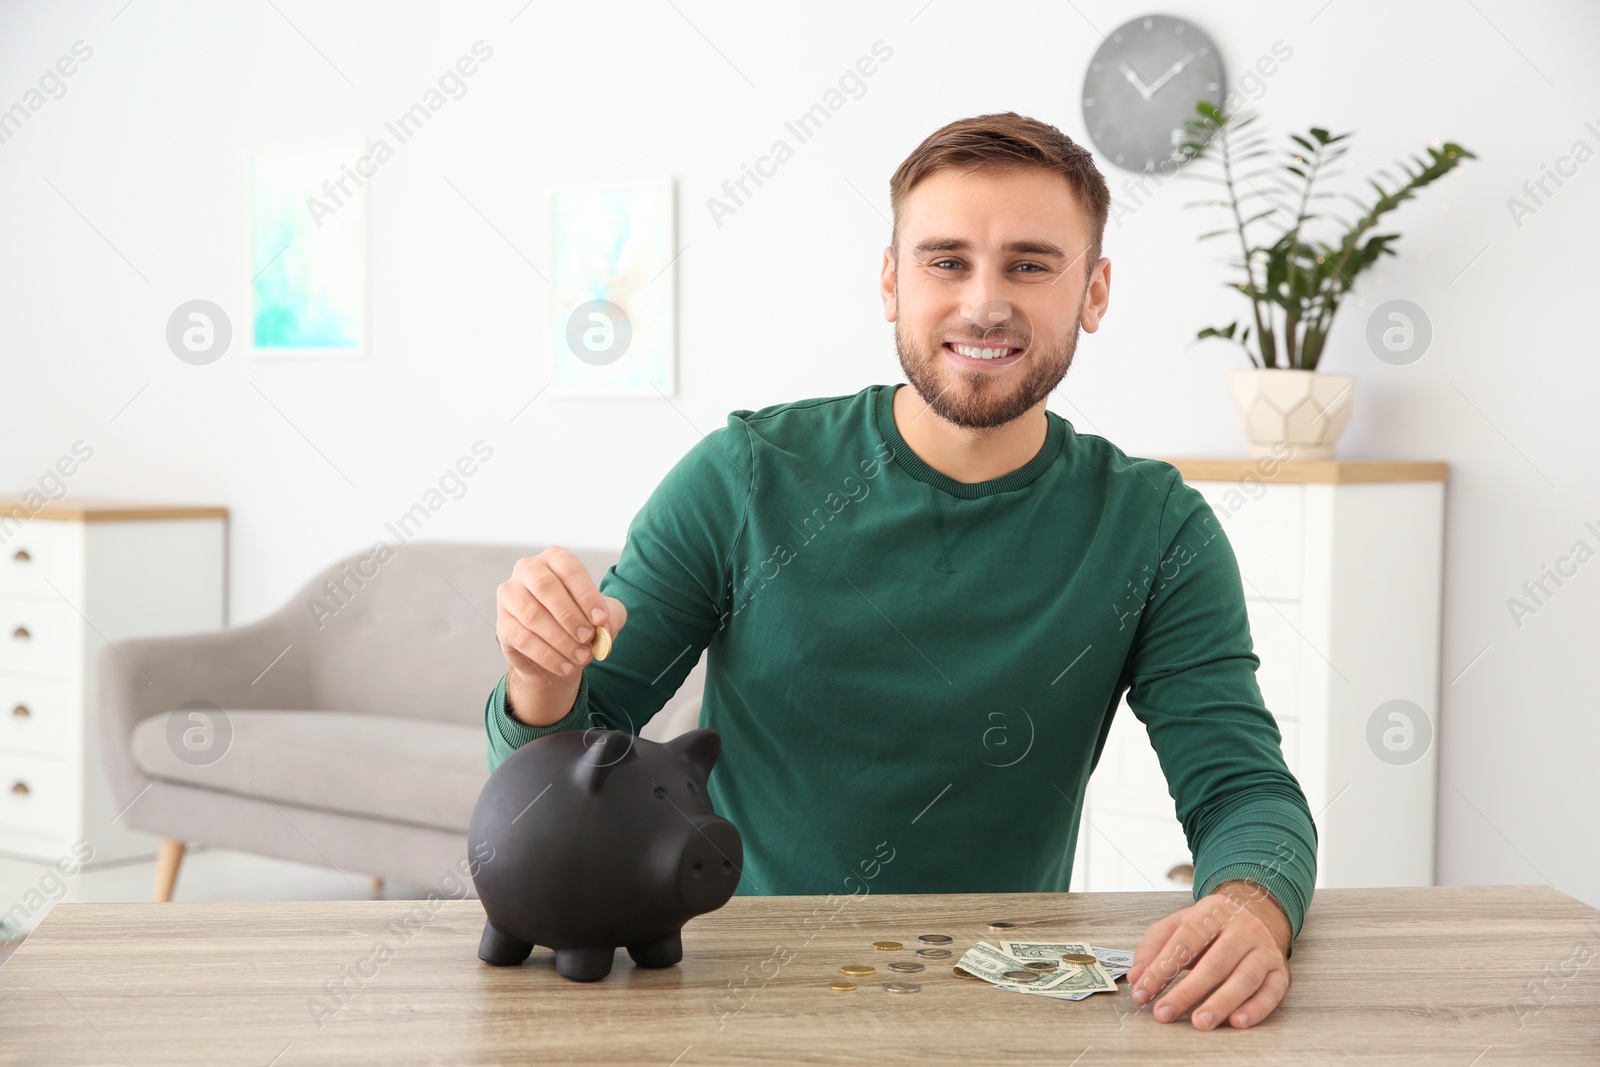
{"x": 1193, "y": 685}
{"x": 674, "y": 576}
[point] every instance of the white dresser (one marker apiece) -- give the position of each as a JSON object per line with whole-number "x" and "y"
{"x": 1342, "y": 565}
{"x": 75, "y": 576}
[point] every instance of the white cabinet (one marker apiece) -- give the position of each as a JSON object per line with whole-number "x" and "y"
{"x": 74, "y": 577}
{"x": 1341, "y": 563}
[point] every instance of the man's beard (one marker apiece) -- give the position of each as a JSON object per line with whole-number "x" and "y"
{"x": 983, "y": 400}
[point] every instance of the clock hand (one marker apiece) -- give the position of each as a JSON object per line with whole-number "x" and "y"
{"x": 1170, "y": 74}
{"x": 1134, "y": 79}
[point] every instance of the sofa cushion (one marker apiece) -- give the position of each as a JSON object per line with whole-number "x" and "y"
{"x": 406, "y": 770}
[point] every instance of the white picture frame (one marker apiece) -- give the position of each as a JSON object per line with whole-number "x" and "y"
{"x": 613, "y": 243}
{"x": 308, "y": 291}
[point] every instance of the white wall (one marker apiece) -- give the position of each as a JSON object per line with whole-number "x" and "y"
{"x": 124, "y": 198}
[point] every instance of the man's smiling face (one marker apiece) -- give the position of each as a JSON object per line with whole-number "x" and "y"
{"x": 989, "y": 290}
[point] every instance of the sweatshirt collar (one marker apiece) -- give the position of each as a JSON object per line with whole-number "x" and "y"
{"x": 912, "y": 464}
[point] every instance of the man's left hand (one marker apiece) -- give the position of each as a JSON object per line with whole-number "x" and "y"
{"x": 1236, "y": 942}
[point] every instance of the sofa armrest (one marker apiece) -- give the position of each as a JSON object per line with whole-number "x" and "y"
{"x": 240, "y": 667}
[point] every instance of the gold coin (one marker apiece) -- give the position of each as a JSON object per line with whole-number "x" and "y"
{"x": 887, "y": 946}
{"x": 905, "y": 966}
{"x": 1000, "y": 924}
{"x": 962, "y": 972}
{"x": 902, "y": 987}
{"x": 935, "y": 953}
{"x": 936, "y": 939}
{"x": 1040, "y": 965}
{"x": 600, "y": 647}
{"x": 857, "y": 970}
{"x": 839, "y": 985}
{"x": 1082, "y": 959}
{"x": 1020, "y": 976}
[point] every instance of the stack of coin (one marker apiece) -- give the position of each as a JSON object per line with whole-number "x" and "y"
{"x": 933, "y": 950}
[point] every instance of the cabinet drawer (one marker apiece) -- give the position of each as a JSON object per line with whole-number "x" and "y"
{"x": 37, "y": 637}
{"x": 1265, "y": 527}
{"x": 1132, "y": 853}
{"x": 39, "y": 554}
{"x": 1275, "y": 633}
{"x": 38, "y": 795}
{"x": 1129, "y": 776}
{"x": 39, "y": 716}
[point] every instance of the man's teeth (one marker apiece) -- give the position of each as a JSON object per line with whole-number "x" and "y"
{"x": 981, "y": 353}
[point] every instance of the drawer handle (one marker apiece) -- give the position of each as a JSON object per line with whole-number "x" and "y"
{"x": 22, "y": 556}
{"x": 20, "y": 711}
{"x": 21, "y": 789}
{"x": 1183, "y": 872}
{"x": 21, "y": 633}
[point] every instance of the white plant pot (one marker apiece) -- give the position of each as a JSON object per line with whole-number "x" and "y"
{"x": 1303, "y": 409}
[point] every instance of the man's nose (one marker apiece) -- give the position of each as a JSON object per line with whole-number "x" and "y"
{"x": 984, "y": 297}
{"x": 989, "y": 317}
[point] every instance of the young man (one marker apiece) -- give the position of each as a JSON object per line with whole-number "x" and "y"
{"x": 923, "y": 603}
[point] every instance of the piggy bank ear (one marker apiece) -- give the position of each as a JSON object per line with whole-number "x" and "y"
{"x": 606, "y": 749}
{"x": 702, "y": 747}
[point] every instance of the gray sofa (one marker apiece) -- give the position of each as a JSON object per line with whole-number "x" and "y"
{"x": 350, "y": 730}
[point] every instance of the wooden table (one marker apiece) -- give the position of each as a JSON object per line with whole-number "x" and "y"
{"x": 1438, "y": 975}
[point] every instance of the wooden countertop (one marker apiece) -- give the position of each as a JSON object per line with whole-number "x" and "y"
{"x": 1481, "y": 976}
{"x": 1338, "y": 471}
{"x": 101, "y": 510}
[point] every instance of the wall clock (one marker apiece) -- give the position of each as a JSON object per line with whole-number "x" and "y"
{"x": 1142, "y": 85}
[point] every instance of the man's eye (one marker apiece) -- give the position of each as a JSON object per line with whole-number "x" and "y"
{"x": 1034, "y": 268}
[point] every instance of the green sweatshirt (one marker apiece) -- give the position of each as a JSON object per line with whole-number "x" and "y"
{"x": 913, "y": 677}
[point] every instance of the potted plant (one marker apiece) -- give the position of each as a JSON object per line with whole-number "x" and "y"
{"x": 1295, "y": 283}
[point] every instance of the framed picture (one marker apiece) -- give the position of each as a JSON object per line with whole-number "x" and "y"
{"x": 309, "y": 263}
{"x": 613, "y": 290}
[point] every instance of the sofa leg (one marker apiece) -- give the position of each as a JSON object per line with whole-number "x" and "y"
{"x": 167, "y": 860}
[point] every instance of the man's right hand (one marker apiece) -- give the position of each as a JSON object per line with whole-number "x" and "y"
{"x": 547, "y": 612}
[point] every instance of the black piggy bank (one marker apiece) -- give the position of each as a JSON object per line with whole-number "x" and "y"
{"x": 599, "y": 838}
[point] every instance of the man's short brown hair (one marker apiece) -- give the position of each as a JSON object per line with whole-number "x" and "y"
{"x": 1006, "y": 141}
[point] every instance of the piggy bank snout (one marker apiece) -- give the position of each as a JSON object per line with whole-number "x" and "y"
{"x": 711, "y": 864}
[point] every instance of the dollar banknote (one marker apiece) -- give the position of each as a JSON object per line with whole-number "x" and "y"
{"x": 992, "y": 962}
{"x": 1115, "y": 962}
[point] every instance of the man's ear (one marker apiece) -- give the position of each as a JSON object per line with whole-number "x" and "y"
{"x": 891, "y": 302}
{"x": 1097, "y": 294}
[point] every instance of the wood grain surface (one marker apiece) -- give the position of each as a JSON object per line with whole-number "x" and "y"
{"x": 1332, "y": 471}
{"x": 92, "y": 510}
{"x": 1470, "y": 976}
